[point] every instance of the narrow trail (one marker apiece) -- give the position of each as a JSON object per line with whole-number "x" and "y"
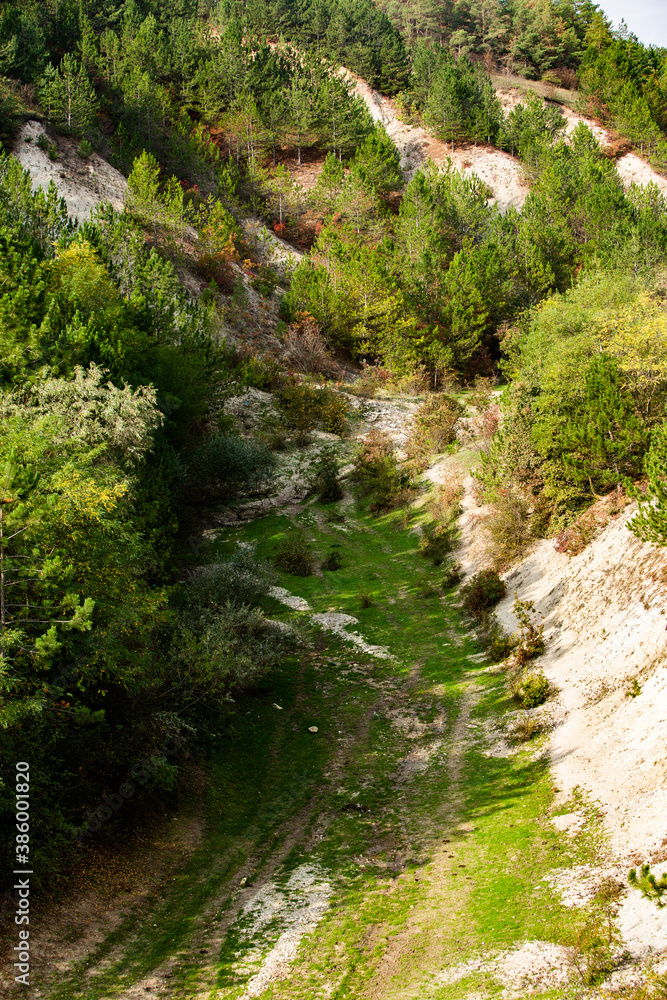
{"x": 370, "y": 831}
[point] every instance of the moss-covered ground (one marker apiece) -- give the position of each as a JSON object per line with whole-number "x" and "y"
{"x": 413, "y": 845}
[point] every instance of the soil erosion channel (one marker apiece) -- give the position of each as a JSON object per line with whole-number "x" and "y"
{"x": 369, "y": 831}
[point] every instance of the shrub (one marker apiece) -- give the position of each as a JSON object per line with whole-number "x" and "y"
{"x": 436, "y": 542}
{"x": 326, "y": 481}
{"x": 446, "y": 501}
{"x": 226, "y": 467}
{"x": 590, "y": 949}
{"x": 500, "y": 645}
{"x": 452, "y": 575}
{"x": 259, "y": 373}
{"x": 530, "y": 641}
{"x": 482, "y": 395}
{"x": 532, "y": 689}
{"x": 365, "y": 598}
{"x": 334, "y": 410}
{"x": 300, "y": 404}
{"x": 439, "y": 536}
{"x": 333, "y": 561}
{"x": 42, "y": 142}
{"x": 508, "y": 528}
{"x": 241, "y": 579}
{"x": 482, "y": 592}
{"x": 525, "y": 729}
{"x": 212, "y": 651}
{"x": 574, "y": 539}
{"x": 433, "y": 428}
{"x": 85, "y": 149}
{"x": 294, "y": 555}
{"x": 377, "y": 474}
{"x": 266, "y": 281}
{"x": 305, "y": 348}
{"x": 372, "y": 378}
{"x": 305, "y": 407}
{"x": 277, "y": 439}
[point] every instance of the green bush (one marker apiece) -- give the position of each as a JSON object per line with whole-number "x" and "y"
{"x": 306, "y": 407}
{"x": 530, "y": 641}
{"x": 508, "y": 528}
{"x": 366, "y": 598}
{"x": 84, "y": 149}
{"x": 452, "y": 574}
{"x": 266, "y": 281}
{"x": 334, "y": 410}
{"x": 294, "y": 555}
{"x": 482, "y": 592}
{"x": 533, "y": 689}
{"x": 436, "y": 542}
{"x": 333, "y": 561}
{"x": 226, "y": 467}
{"x": 500, "y": 646}
{"x": 326, "y": 482}
{"x": 214, "y": 650}
{"x": 433, "y": 428}
{"x": 259, "y": 373}
{"x": 377, "y": 474}
{"x": 241, "y": 579}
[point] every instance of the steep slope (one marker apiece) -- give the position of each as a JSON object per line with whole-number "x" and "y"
{"x": 500, "y": 171}
{"x": 84, "y": 183}
{"x": 605, "y": 629}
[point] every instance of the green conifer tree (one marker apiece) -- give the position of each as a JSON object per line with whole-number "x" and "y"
{"x": 378, "y": 162}
{"x": 604, "y": 440}
{"x": 650, "y": 522}
{"x": 70, "y": 97}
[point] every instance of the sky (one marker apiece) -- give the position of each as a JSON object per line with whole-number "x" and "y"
{"x": 647, "y": 18}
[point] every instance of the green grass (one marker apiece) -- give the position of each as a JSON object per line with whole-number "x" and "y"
{"x": 558, "y": 94}
{"x": 345, "y": 801}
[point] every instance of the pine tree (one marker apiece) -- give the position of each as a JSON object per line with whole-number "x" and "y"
{"x": 70, "y": 97}
{"x": 143, "y": 191}
{"x": 299, "y": 112}
{"x": 604, "y": 439}
{"x": 650, "y": 522}
{"x": 378, "y": 162}
{"x": 329, "y": 184}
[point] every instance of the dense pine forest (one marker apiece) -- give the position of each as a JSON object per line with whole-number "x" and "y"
{"x": 121, "y": 633}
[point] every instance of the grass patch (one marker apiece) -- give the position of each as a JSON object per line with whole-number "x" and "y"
{"x": 432, "y": 854}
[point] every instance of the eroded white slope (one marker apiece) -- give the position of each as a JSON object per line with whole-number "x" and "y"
{"x": 83, "y": 183}
{"x": 605, "y": 625}
{"x": 501, "y": 172}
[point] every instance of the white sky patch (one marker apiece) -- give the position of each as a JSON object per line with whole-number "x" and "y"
{"x": 646, "y": 18}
